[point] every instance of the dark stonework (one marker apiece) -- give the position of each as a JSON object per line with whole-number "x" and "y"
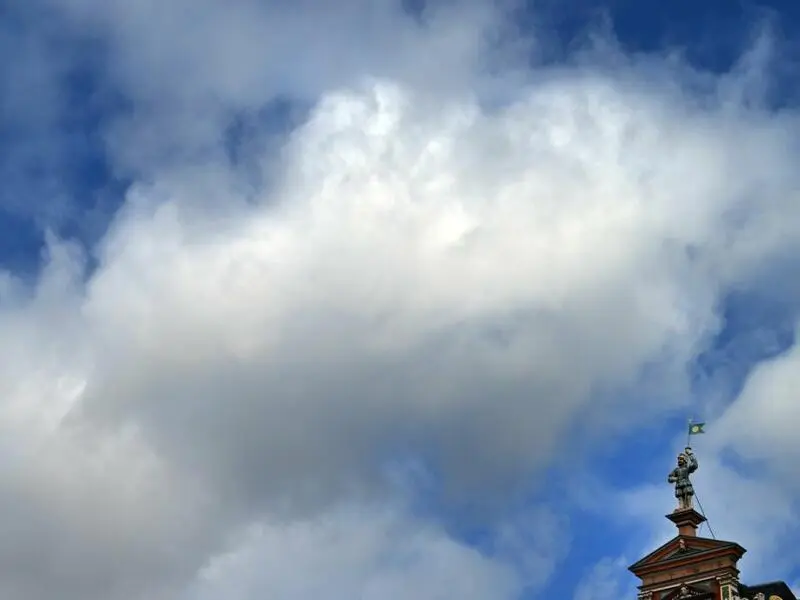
{"x": 773, "y": 588}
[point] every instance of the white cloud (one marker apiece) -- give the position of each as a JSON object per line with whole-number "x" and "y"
{"x": 759, "y": 425}
{"x": 442, "y": 250}
{"x": 534, "y": 542}
{"x": 354, "y": 553}
{"x": 607, "y": 580}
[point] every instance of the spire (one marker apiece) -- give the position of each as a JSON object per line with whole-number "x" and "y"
{"x": 690, "y": 567}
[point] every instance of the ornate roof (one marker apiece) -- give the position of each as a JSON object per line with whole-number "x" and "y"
{"x": 684, "y": 549}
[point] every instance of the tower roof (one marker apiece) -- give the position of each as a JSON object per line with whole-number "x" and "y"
{"x": 681, "y": 552}
{"x": 689, "y": 567}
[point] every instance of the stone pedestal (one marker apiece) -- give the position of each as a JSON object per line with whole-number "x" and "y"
{"x": 687, "y": 521}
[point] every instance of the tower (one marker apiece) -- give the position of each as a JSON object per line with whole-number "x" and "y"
{"x": 689, "y": 566}
{"x": 693, "y": 567}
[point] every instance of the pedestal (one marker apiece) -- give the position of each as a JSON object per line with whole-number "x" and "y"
{"x": 687, "y": 521}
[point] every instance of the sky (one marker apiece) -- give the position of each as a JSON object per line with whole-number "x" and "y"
{"x": 388, "y": 299}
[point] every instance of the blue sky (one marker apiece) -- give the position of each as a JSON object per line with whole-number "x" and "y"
{"x": 416, "y": 298}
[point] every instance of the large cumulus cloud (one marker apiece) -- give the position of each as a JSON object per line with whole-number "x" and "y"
{"x": 428, "y": 281}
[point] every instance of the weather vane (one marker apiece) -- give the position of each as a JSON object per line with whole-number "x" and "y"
{"x": 687, "y": 464}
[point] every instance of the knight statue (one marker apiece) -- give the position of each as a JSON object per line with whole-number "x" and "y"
{"x": 684, "y": 492}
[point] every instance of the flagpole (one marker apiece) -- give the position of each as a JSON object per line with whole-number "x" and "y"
{"x": 689, "y": 433}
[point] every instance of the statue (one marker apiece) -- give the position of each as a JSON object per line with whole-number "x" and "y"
{"x": 684, "y": 492}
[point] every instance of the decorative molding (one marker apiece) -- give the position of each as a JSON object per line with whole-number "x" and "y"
{"x": 686, "y": 592}
{"x": 694, "y": 580}
{"x": 728, "y": 586}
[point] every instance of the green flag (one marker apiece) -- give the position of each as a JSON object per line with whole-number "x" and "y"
{"x": 695, "y": 428}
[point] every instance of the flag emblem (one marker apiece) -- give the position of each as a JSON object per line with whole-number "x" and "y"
{"x": 695, "y": 428}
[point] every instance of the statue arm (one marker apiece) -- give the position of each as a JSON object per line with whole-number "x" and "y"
{"x": 692, "y": 460}
{"x": 672, "y": 478}
{"x": 692, "y": 464}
